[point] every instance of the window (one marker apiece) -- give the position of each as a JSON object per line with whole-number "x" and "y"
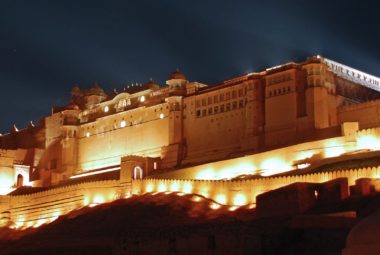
{"x": 122, "y": 103}
{"x": 228, "y": 96}
{"x": 209, "y": 100}
{"x": 198, "y": 103}
{"x": 234, "y": 94}
{"x": 240, "y": 92}
{"x": 198, "y": 113}
{"x": 216, "y": 109}
{"x": 222, "y": 108}
{"x": 203, "y": 102}
{"x": 234, "y": 105}
{"x": 216, "y": 99}
{"x": 210, "y": 110}
{"x": 204, "y": 112}
{"x": 137, "y": 173}
{"x": 241, "y": 103}
{"x": 20, "y": 180}
{"x": 123, "y": 123}
{"x": 228, "y": 107}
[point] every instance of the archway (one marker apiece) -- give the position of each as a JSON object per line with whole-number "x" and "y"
{"x": 20, "y": 181}
{"x": 137, "y": 173}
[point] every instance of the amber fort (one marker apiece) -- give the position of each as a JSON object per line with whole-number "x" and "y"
{"x": 230, "y": 142}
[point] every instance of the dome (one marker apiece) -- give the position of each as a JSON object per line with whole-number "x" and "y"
{"x": 365, "y": 235}
{"x": 177, "y": 75}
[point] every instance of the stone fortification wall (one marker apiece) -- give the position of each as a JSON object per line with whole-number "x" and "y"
{"x": 38, "y": 208}
{"x": 241, "y": 192}
{"x": 35, "y": 209}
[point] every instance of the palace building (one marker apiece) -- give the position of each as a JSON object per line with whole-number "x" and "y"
{"x": 185, "y": 124}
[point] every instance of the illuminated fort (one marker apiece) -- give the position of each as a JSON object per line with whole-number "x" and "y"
{"x": 228, "y": 142}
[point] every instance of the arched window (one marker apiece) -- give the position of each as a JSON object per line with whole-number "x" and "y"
{"x": 20, "y": 180}
{"x": 137, "y": 173}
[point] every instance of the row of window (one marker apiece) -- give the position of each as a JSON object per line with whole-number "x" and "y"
{"x": 221, "y": 97}
{"x": 279, "y": 78}
{"x": 279, "y": 91}
{"x": 220, "y": 108}
{"x": 122, "y": 124}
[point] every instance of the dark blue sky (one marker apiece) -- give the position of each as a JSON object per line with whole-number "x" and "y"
{"x": 47, "y": 47}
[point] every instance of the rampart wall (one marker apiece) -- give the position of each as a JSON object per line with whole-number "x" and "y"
{"x": 241, "y": 192}
{"x": 41, "y": 207}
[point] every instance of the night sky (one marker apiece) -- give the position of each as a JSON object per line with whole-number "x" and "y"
{"x": 47, "y": 47}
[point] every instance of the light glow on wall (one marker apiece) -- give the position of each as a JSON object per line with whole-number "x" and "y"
{"x": 332, "y": 149}
{"x": 304, "y": 155}
{"x": 207, "y": 174}
{"x": 161, "y": 187}
{"x": 369, "y": 142}
{"x": 214, "y": 206}
{"x": 274, "y": 166}
{"x": 95, "y": 172}
{"x": 106, "y": 108}
{"x": 6, "y": 183}
{"x": 98, "y": 199}
{"x": 149, "y": 187}
{"x": 221, "y": 199}
{"x": 174, "y": 186}
{"x": 187, "y": 188}
{"x": 240, "y": 199}
{"x": 123, "y": 124}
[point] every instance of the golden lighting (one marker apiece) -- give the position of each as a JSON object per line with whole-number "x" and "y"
{"x": 221, "y": 199}
{"x": 106, "y": 108}
{"x": 180, "y": 194}
{"x": 86, "y": 201}
{"x": 6, "y": 183}
{"x": 95, "y": 172}
{"x": 87, "y": 134}
{"x": 123, "y": 123}
{"x": 274, "y": 166}
{"x": 245, "y": 168}
{"x": 304, "y": 155}
{"x": 368, "y": 142}
{"x": 233, "y": 208}
{"x": 149, "y": 187}
{"x": 187, "y": 187}
{"x": 207, "y": 174}
{"x": 215, "y": 206}
{"x": 252, "y": 206}
{"x": 162, "y": 115}
{"x": 174, "y": 186}
{"x": 240, "y": 199}
{"x": 142, "y": 99}
{"x": 39, "y": 223}
{"x": 303, "y": 165}
{"x": 161, "y": 187}
{"x": 196, "y": 199}
{"x": 333, "y": 150}
{"x": 98, "y": 199}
